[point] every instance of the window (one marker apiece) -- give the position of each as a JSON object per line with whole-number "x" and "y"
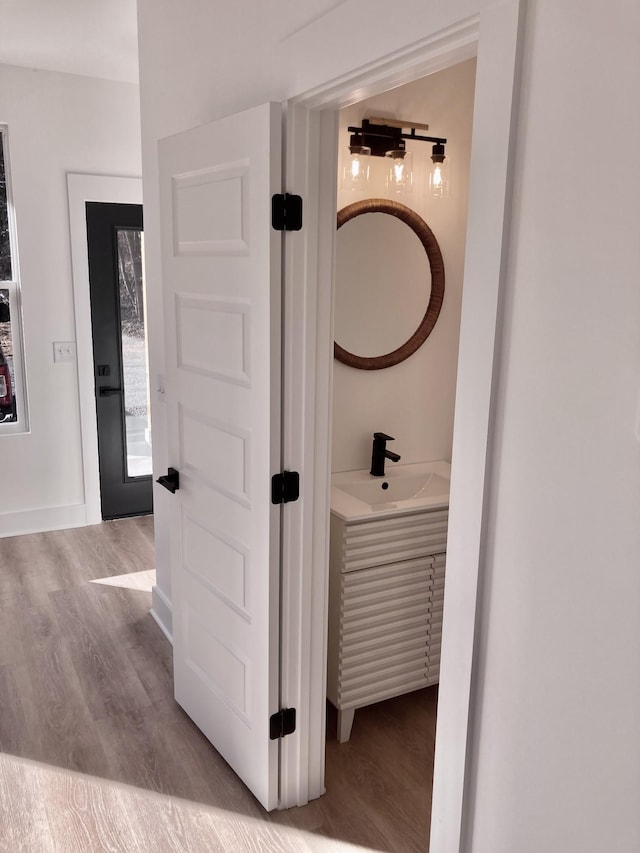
{"x": 12, "y": 396}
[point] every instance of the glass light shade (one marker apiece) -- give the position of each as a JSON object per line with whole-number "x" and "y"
{"x": 438, "y": 179}
{"x": 399, "y": 171}
{"x": 355, "y": 173}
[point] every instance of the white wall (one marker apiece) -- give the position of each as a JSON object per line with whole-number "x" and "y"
{"x": 556, "y": 746}
{"x": 557, "y": 742}
{"x": 58, "y": 123}
{"x": 413, "y": 400}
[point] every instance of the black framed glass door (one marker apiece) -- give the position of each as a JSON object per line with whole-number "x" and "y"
{"x": 116, "y": 285}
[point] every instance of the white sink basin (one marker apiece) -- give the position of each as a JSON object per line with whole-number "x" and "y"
{"x": 380, "y": 490}
{"x": 357, "y": 494}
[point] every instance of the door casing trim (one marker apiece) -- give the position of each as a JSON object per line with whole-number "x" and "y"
{"x": 311, "y": 165}
{"x": 81, "y": 189}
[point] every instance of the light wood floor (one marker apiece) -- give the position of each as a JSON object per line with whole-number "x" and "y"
{"x": 96, "y": 755}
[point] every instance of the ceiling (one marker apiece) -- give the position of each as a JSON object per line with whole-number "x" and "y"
{"x": 95, "y": 38}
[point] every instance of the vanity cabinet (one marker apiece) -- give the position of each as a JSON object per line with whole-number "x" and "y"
{"x": 386, "y": 591}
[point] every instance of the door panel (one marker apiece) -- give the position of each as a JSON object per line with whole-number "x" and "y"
{"x": 221, "y": 272}
{"x": 114, "y": 233}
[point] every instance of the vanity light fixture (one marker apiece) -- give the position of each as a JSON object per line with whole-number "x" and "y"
{"x": 385, "y": 137}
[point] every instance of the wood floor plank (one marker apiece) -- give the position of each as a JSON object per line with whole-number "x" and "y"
{"x": 151, "y": 656}
{"x": 13, "y": 725}
{"x": 114, "y": 547}
{"x": 141, "y": 748}
{"x": 110, "y": 684}
{"x": 120, "y": 606}
{"x": 59, "y": 723}
{"x": 21, "y": 564}
{"x": 145, "y": 525}
{"x": 24, "y": 822}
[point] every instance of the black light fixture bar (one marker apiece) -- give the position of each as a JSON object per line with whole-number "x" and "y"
{"x": 381, "y": 138}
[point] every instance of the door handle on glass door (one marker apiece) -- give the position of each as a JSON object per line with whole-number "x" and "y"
{"x": 107, "y": 391}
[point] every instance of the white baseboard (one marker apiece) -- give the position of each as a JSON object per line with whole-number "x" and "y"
{"x": 161, "y": 612}
{"x": 43, "y": 519}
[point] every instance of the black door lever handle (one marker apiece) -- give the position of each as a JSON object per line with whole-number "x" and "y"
{"x": 171, "y": 480}
{"x": 107, "y": 391}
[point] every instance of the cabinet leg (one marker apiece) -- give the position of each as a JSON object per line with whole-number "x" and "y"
{"x": 345, "y": 721}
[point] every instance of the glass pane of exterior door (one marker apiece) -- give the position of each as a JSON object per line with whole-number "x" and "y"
{"x": 116, "y": 285}
{"x": 131, "y": 294}
{"x": 5, "y": 242}
{"x": 7, "y": 373}
{"x": 13, "y": 408}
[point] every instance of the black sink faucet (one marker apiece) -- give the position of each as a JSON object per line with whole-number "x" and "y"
{"x": 380, "y": 453}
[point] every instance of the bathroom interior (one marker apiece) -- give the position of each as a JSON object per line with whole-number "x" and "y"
{"x": 394, "y": 526}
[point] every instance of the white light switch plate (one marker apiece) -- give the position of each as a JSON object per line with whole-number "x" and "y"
{"x": 64, "y": 351}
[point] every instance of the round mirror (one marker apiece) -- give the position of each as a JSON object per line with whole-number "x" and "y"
{"x": 388, "y": 294}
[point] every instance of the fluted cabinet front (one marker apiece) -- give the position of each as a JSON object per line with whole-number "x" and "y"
{"x": 386, "y": 594}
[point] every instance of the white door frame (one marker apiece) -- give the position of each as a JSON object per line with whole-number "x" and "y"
{"x": 81, "y": 189}
{"x": 311, "y": 166}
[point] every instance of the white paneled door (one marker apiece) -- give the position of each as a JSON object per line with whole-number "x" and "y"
{"x": 222, "y": 284}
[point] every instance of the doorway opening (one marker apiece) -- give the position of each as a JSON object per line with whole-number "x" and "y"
{"x": 385, "y": 642}
{"x": 312, "y": 121}
{"x": 81, "y": 189}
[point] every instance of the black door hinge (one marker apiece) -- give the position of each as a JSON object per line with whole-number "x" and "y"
{"x": 283, "y": 723}
{"x": 285, "y": 487}
{"x": 286, "y": 212}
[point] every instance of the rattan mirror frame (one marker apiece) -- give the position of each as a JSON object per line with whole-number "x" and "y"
{"x": 436, "y": 265}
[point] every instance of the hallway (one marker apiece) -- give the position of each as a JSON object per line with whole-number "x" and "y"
{"x": 96, "y": 755}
